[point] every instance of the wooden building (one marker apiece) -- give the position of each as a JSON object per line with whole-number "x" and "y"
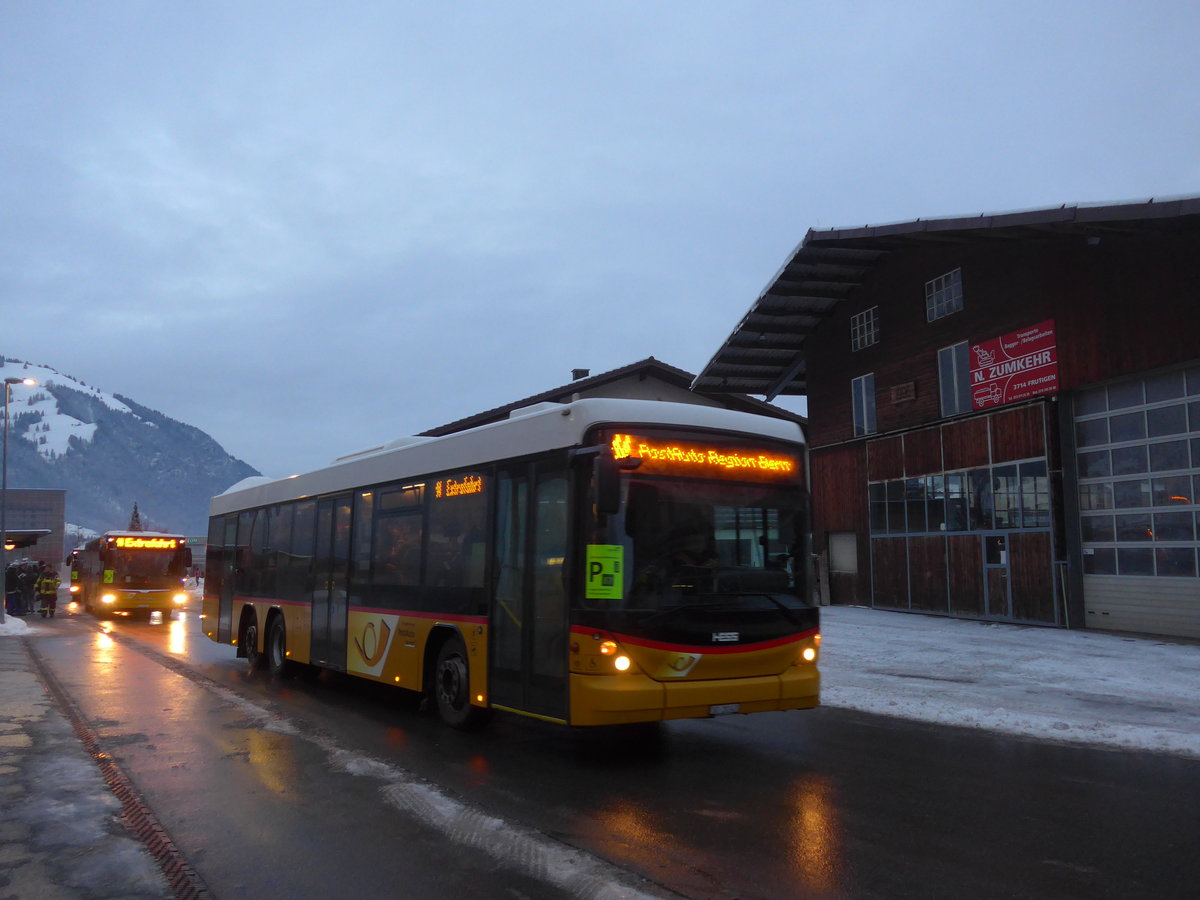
{"x": 1004, "y": 411}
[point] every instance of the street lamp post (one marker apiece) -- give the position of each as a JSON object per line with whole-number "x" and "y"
{"x": 8, "y": 383}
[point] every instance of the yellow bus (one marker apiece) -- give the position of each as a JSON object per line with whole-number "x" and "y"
{"x": 121, "y": 573}
{"x": 598, "y": 562}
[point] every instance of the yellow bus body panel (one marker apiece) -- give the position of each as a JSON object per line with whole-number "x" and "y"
{"x": 629, "y": 697}
{"x": 673, "y": 665}
{"x": 391, "y": 647}
{"x": 210, "y": 607}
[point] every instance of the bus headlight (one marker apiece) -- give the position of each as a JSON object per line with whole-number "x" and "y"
{"x": 180, "y": 599}
{"x": 621, "y": 663}
{"x": 108, "y": 598}
{"x": 74, "y": 589}
{"x": 809, "y": 654}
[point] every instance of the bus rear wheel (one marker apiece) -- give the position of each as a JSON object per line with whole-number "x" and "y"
{"x": 254, "y": 658}
{"x": 277, "y": 660}
{"x": 452, "y": 687}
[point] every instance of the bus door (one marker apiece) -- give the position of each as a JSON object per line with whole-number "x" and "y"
{"x": 224, "y": 535}
{"x": 329, "y": 599}
{"x": 529, "y": 608}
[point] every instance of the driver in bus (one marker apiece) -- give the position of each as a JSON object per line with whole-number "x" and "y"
{"x": 691, "y": 549}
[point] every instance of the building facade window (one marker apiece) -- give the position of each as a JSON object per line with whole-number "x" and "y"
{"x": 943, "y": 295}
{"x": 954, "y": 379}
{"x": 1138, "y": 454}
{"x": 864, "y": 328}
{"x": 1012, "y": 496}
{"x": 862, "y": 395}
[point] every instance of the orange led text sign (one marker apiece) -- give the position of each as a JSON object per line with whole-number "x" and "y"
{"x": 458, "y": 487}
{"x": 698, "y": 459}
{"x": 145, "y": 543}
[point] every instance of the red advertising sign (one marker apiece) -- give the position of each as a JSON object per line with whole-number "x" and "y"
{"x": 1014, "y": 366}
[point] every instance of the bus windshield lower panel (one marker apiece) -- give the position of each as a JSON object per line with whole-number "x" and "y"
{"x": 701, "y": 556}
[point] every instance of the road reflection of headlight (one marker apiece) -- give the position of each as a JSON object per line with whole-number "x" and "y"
{"x": 178, "y": 637}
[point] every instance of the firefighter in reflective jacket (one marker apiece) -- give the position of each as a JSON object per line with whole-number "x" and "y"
{"x": 47, "y": 591}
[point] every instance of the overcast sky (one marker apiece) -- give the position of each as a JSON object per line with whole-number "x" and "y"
{"x": 227, "y": 210}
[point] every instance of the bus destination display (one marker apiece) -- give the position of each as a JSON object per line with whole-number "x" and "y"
{"x": 674, "y": 457}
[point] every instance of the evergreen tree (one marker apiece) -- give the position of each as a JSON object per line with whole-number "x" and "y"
{"x": 135, "y": 521}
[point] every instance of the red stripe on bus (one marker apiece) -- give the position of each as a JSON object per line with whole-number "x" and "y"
{"x": 707, "y": 648}
{"x": 270, "y": 601}
{"x": 449, "y": 617}
{"x": 474, "y": 620}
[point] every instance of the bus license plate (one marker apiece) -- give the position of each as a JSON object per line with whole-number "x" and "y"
{"x": 724, "y": 709}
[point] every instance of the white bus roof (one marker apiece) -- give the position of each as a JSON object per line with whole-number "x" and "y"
{"x": 526, "y": 431}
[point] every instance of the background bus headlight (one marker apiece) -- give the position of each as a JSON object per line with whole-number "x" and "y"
{"x": 180, "y": 599}
{"x": 108, "y": 598}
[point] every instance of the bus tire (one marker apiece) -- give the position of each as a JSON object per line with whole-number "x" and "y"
{"x": 255, "y": 659}
{"x": 277, "y": 662}
{"x": 452, "y": 687}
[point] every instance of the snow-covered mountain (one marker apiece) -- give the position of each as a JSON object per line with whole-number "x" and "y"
{"x": 109, "y": 452}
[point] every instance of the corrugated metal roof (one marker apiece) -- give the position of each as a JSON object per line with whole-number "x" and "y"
{"x": 767, "y": 352}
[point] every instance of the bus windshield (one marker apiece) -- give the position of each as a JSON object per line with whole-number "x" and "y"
{"x": 694, "y": 542}
{"x": 145, "y": 567}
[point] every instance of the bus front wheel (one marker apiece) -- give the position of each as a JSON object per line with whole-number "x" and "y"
{"x": 277, "y": 660}
{"x": 452, "y": 687}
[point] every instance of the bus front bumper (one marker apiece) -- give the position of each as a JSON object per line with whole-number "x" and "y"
{"x": 629, "y": 698}
{"x": 136, "y": 601}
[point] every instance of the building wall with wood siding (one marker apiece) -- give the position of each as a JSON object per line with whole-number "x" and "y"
{"x": 1125, "y": 305}
{"x": 1122, "y": 305}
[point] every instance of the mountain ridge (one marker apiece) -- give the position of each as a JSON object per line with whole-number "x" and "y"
{"x": 107, "y": 451}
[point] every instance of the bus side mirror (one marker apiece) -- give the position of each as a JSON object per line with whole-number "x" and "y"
{"x": 607, "y": 478}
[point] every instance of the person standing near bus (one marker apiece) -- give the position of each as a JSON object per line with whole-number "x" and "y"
{"x": 12, "y": 589}
{"x": 47, "y": 591}
{"x": 29, "y": 578}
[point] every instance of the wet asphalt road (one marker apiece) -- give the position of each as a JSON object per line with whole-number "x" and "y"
{"x": 336, "y": 787}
